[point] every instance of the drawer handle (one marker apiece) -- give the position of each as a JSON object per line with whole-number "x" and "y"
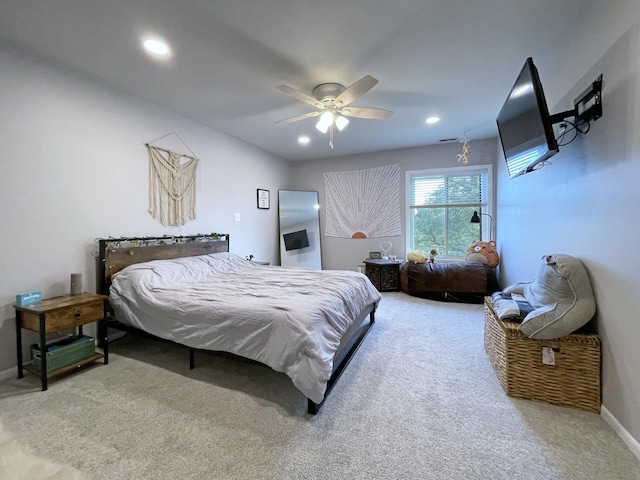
{"x": 77, "y": 314}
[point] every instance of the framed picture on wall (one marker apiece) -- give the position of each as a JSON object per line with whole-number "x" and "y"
{"x": 263, "y": 199}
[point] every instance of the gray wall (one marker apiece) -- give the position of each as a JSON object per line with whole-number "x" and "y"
{"x": 585, "y": 203}
{"x": 74, "y": 167}
{"x": 346, "y": 253}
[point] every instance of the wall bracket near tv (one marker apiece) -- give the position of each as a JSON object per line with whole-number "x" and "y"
{"x": 587, "y": 106}
{"x": 525, "y": 126}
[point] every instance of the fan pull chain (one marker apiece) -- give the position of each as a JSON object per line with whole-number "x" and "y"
{"x": 331, "y": 136}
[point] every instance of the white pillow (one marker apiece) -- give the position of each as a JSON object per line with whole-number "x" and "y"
{"x": 561, "y": 295}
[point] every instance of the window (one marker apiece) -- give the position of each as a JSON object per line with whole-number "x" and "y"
{"x": 440, "y": 205}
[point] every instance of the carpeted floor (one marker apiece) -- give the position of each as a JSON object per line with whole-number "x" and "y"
{"x": 419, "y": 401}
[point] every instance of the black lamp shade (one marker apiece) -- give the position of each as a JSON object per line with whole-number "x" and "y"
{"x": 475, "y": 218}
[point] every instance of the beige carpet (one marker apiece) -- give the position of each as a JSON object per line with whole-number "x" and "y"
{"x": 419, "y": 401}
{"x": 18, "y": 462}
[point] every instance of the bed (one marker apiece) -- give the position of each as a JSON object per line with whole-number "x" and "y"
{"x": 191, "y": 291}
{"x": 465, "y": 282}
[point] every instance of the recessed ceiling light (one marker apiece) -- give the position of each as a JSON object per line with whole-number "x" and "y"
{"x": 156, "y": 47}
{"x": 304, "y": 140}
{"x": 432, "y": 120}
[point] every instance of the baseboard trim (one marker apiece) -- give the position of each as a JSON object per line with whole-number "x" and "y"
{"x": 626, "y": 437}
{"x": 7, "y": 374}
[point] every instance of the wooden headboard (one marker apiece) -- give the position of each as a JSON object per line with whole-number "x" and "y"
{"x": 118, "y": 253}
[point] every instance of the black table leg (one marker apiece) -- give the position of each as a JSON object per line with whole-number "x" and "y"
{"x": 19, "y": 342}
{"x": 103, "y": 333}
{"x": 43, "y": 353}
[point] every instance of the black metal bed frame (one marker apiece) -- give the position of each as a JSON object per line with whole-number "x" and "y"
{"x": 132, "y": 243}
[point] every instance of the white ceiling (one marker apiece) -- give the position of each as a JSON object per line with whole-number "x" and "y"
{"x": 453, "y": 58}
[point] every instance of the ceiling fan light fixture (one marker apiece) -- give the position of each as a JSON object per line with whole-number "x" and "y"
{"x": 326, "y": 119}
{"x": 331, "y": 99}
{"x": 321, "y": 127}
{"x": 341, "y": 122}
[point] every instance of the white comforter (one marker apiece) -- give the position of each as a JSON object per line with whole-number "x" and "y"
{"x": 291, "y": 319}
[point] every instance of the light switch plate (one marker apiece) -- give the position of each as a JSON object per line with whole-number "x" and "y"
{"x": 236, "y": 217}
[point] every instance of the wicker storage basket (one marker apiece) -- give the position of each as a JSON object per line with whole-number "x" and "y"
{"x": 574, "y": 380}
{"x": 64, "y": 353}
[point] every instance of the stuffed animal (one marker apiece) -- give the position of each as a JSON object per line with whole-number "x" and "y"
{"x": 483, "y": 252}
{"x": 417, "y": 257}
{"x": 432, "y": 255}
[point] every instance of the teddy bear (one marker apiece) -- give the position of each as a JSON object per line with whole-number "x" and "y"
{"x": 417, "y": 257}
{"x": 483, "y": 252}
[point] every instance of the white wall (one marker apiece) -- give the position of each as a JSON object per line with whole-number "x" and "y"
{"x": 585, "y": 203}
{"x": 74, "y": 168}
{"x": 347, "y": 253}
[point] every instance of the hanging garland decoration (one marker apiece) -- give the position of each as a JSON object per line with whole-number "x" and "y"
{"x": 464, "y": 150}
{"x": 172, "y": 192}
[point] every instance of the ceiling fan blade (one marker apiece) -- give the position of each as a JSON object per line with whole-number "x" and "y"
{"x": 356, "y": 90}
{"x": 364, "y": 112}
{"x": 300, "y": 95}
{"x": 298, "y": 117}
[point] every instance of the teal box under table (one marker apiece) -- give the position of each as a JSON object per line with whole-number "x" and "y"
{"x": 64, "y": 353}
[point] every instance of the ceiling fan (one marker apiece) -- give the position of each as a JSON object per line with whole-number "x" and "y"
{"x": 333, "y": 103}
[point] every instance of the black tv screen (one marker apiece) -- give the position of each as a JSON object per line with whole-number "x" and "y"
{"x": 296, "y": 240}
{"x": 524, "y": 125}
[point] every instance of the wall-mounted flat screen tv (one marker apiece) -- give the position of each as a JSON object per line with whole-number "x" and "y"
{"x": 524, "y": 125}
{"x": 296, "y": 240}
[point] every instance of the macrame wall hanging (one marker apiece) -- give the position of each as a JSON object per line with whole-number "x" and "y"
{"x": 172, "y": 184}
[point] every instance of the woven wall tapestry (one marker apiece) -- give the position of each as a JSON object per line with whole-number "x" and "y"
{"x": 363, "y": 203}
{"x": 172, "y": 186}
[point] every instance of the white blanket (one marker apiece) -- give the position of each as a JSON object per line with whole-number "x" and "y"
{"x": 291, "y": 319}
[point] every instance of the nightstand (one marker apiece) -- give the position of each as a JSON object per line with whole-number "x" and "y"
{"x": 60, "y": 313}
{"x": 384, "y": 274}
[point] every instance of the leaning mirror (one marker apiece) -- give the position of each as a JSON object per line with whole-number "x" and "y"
{"x": 299, "y": 229}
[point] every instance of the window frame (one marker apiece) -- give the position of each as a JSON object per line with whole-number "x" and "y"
{"x": 486, "y": 203}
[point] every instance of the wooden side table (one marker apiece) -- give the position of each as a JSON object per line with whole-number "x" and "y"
{"x": 59, "y": 313}
{"x": 384, "y": 274}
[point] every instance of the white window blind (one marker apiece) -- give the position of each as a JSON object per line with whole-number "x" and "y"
{"x": 440, "y": 204}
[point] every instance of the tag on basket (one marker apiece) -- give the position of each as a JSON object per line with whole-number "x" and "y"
{"x": 548, "y": 356}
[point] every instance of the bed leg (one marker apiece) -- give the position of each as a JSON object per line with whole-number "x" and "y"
{"x": 312, "y": 407}
{"x": 192, "y": 359}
